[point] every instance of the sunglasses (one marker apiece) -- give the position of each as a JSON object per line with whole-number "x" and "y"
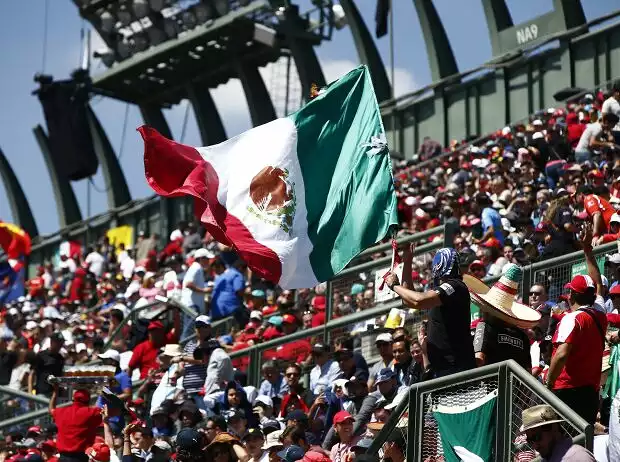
{"x": 535, "y": 293}
{"x": 293, "y": 374}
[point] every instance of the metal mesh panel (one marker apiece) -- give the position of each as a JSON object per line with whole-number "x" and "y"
{"x": 524, "y": 397}
{"x": 456, "y": 395}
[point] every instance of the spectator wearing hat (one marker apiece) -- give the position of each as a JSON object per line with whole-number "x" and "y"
{"x": 98, "y": 452}
{"x": 195, "y": 369}
{"x": 194, "y": 288}
{"x": 325, "y": 371}
{"x": 291, "y": 453}
{"x": 579, "y": 341}
{"x": 77, "y": 425}
{"x": 343, "y": 424}
{"x": 49, "y": 451}
{"x": 383, "y": 343}
{"x": 273, "y": 445}
{"x": 387, "y": 385}
{"x": 166, "y": 388}
{"x": 227, "y": 297}
{"x": 263, "y": 408}
{"x": 225, "y": 448}
{"x": 544, "y": 433}
{"x": 145, "y": 354}
{"x": 189, "y": 444}
{"x": 253, "y": 442}
{"x": 122, "y": 388}
{"x": 47, "y": 362}
{"x": 449, "y": 345}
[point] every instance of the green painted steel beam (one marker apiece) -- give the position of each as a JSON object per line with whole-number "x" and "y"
{"x": 367, "y": 50}
{"x": 20, "y": 208}
{"x": 207, "y": 116}
{"x": 66, "y": 203}
{"x": 256, "y": 93}
{"x": 116, "y": 187}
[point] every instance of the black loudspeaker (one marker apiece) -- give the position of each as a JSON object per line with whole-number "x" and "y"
{"x": 65, "y": 109}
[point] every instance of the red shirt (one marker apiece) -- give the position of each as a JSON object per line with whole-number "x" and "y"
{"x": 583, "y": 366}
{"x": 297, "y": 351}
{"x": 595, "y": 204}
{"x": 145, "y": 355}
{"x": 77, "y": 425}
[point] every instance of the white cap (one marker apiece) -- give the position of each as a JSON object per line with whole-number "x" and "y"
{"x": 139, "y": 269}
{"x": 111, "y": 354}
{"x": 384, "y": 337}
{"x": 149, "y": 275}
{"x": 537, "y": 136}
{"x": 506, "y": 130}
{"x": 13, "y": 311}
{"x": 428, "y": 200}
{"x": 46, "y": 322}
{"x": 266, "y": 400}
{"x": 256, "y": 315}
{"x": 203, "y": 253}
{"x": 30, "y": 325}
{"x": 537, "y": 122}
{"x": 122, "y": 308}
{"x": 81, "y": 347}
{"x": 176, "y": 234}
{"x": 203, "y": 319}
{"x": 615, "y": 218}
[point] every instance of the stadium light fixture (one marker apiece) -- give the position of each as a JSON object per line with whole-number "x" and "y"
{"x": 340, "y": 18}
{"x": 222, "y": 7}
{"x": 203, "y": 12}
{"x": 107, "y": 21}
{"x": 141, "y": 8}
{"x": 106, "y": 56}
{"x": 157, "y": 5}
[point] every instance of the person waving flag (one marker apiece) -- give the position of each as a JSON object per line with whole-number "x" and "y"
{"x": 299, "y": 197}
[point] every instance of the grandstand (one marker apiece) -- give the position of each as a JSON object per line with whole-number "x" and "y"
{"x": 512, "y": 128}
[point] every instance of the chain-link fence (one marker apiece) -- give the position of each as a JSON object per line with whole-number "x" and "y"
{"x": 502, "y": 390}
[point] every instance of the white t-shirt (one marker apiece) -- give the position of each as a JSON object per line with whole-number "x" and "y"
{"x": 612, "y": 106}
{"x": 195, "y": 274}
{"x": 127, "y": 267}
{"x": 69, "y": 263}
{"x": 95, "y": 263}
{"x": 584, "y": 142}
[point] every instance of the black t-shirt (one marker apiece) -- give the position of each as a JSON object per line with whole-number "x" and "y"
{"x": 8, "y": 359}
{"x": 449, "y": 338}
{"x": 46, "y": 364}
{"x": 500, "y": 343}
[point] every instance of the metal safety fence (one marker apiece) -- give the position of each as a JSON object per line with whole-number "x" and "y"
{"x": 505, "y": 387}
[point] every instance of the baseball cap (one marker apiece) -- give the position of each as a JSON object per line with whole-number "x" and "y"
{"x": 258, "y": 293}
{"x": 202, "y": 319}
{"x": 581, "y": 284}
{"x": 253, "y": 433}
{"x": 30, "y": 325}
{"x": 289, "y": 319}
{"x": 615, "y": 258}
{"x": 364, "y": 443}
{"x": 315, "y": 456}
{"x": 111, "y": 354}
{"x": 264, "y": 399}
{"x": 320, "y": 347}
{"x": 615, "y": 290}
{"x": 188, "y": 439}
{"x": 291, "y": 454}
{"x": 384, "y": 375}
{"x": 162, "y": 445}
{"x": 297, "y": 415}
{"x": 273, "y": 440}
{"x": 236, "y": 415}
{"x": 153, "y": 325}
{"x": 342, "y": 416}
{"x": 203, "y": 253}
{"x": 99, "y": 452}
{"x": 34, "y": 429}
{"x": 384, "y": 337}
{"x": 158, "y": 411}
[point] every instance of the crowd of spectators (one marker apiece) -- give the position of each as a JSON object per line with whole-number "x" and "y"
{"x": 519, "y": 196}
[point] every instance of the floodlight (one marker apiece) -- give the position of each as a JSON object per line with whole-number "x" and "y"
{"x": 156, "y": 35}
{"x": 123, "y": 48}
{"x": 188, "y": 19}
{"x": 222, "y": 7}
{"x": 140, "y": 8}
{"x": 157, "y": 5}
{"x": 203, "y": 13}
{"x": 107, "y": 21}
{"x": 340, "y": 18}
{"x": 171, "y": 28}
{"x": 141, "y": 42}
{"x": 106, "y": 56}
{"x": 124, "y": 15}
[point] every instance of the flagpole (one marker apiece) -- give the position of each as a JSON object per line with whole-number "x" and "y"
{"x": 391, "y": 28}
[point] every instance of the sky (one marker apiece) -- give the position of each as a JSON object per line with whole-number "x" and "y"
{"x": 24, "y": 52}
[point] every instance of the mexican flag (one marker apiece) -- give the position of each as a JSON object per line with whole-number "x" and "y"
{"x": 298, "y": 197}
{"x": 468, "y": 432}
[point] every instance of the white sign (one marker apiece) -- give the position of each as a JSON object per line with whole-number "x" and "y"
{"x": 527, "y": 34}
{"x": 384, "y": 294}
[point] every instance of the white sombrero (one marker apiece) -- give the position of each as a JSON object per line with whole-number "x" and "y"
{"x": 500, "y": 299}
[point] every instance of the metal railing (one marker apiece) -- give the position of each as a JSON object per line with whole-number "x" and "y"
{"x": 514, "y": 390}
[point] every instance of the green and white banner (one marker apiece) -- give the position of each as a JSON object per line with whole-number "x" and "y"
{"x": 468, "y": 432}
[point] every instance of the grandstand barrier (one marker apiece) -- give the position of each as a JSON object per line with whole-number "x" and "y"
{"x": 514, "y": 390}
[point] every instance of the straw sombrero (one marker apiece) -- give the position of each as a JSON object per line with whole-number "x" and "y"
{"x": 500, "y": 299}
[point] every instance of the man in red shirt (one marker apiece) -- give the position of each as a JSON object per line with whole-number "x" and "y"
{"x": 145, "y": 354}
{"x": 579, "y": 341}
{"x": 77, "y": 426}
{"x": 296, "y": 351}
{"x": 597, "y": 208}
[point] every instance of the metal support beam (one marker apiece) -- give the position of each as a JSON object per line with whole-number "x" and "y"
{"x": 20, "y": 208}
{"x": 66, "y": 203}
{"x": 116, "y": 185}
{"x": 571, "y": 11}
{"x": 256, "y": 93}
{"x": 367, "y": 50}
{"x": 498, "y": 19}
{"x": 306, "y": 61}
{"x": 207, "y": 116}
{"x": 153, "y": 116}
{"x": 440, "y": 56}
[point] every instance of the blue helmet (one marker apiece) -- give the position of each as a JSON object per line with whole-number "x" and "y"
{"x": 446, "y": 263}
